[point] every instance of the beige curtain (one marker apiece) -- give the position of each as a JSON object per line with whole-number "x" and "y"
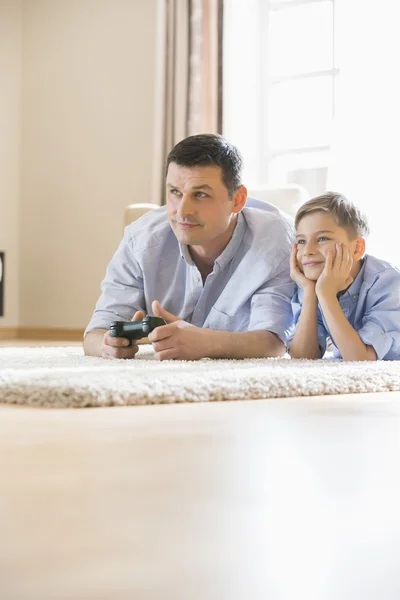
{"x": 190, "y": 79}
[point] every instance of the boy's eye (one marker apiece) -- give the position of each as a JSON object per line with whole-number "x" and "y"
{"x": 323, "y": 238}
{"x": 300, "y": 242}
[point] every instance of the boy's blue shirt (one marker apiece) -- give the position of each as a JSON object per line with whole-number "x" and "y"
{"x": 371, "y": 305}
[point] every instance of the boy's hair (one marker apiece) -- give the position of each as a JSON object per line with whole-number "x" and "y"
{"x": 208, "y": 150}
{"x": 343, "y": 212}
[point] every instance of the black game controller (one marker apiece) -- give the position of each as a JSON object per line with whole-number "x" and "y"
{"x": 134, "y": 330}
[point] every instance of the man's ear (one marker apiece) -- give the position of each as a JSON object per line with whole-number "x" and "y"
{"x": 359, "y": 249}
{"x": 239, "y": 199}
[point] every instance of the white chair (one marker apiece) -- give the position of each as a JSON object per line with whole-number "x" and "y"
{"x": 134, "y": 211}
{"x": 287, "y": 198}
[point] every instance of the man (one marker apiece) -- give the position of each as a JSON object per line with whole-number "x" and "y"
{"x": 216, "y": 269}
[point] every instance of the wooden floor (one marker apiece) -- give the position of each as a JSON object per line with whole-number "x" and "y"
{"x": 277, "y": 499}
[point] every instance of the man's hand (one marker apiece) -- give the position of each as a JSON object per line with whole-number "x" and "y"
{"x": 298, "y": 277}
{"x": 117, "y": 347}
{"x": 178, "y": 340}
{"x": 336, "y": 274}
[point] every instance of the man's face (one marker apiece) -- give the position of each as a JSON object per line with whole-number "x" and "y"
{"x": 317, "y": 233}
{"x": 198, "y": 204}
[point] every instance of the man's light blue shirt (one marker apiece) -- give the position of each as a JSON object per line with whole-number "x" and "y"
{"x": 249, "y": 288}
{"x": 371, "y": 305}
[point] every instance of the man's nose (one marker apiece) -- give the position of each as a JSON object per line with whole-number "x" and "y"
{"x": 185, "y": 207}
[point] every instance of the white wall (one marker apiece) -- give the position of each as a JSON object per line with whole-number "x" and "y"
{"x": 10, "y": 100}
{"x": 87, "y": 143}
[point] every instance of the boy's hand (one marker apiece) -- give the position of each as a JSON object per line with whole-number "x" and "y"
{"x": 297, "y": 276}
{"x": 336, "y": 274}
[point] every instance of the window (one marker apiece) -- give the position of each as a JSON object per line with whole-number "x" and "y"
{"x": 311, "y": 96}
{"x": 299, "y": 84}
{"x": 290, "y": 78}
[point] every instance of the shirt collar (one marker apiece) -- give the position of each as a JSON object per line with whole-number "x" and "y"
{"x": 355, "y": 287}
{"x": 229, "y": 251}
{"x": 185, "y": 254}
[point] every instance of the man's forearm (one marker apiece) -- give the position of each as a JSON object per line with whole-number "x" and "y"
{"x": 247, "y": 344}
{"x": 93, "y": 341}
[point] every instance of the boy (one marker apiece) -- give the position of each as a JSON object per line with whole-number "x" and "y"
{"x": 352, "y": 298}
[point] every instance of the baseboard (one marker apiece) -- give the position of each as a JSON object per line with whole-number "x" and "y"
{"x": 41, "y": 333}
{"x": 8, "y": 333}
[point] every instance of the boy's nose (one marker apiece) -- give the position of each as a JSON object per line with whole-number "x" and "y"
{"x": 309, "y": 248}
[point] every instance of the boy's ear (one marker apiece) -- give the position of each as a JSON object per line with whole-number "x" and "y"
{"x": 359, "y": 249}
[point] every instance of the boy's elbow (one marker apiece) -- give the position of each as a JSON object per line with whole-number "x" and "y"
{"x": 305, "y": 353}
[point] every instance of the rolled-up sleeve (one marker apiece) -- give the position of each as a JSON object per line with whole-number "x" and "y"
{"x": 271, "y": 305}
{"x": 381, "y": 322}
{"x": 121, "y": 289}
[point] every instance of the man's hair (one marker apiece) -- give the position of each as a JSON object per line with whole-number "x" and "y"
{"x": 343, "y": 212}
{"x": 210, "y": 150}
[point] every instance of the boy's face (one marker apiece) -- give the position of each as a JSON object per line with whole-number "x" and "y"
{"x": 317, "y": 233}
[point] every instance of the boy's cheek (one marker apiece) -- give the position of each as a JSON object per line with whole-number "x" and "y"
{"x": 333, "y": 250}
{"x": 298, "y": 261}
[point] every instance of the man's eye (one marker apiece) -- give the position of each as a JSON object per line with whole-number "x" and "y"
{"x": 175, "y": 192}
{"x": 201, "y": 195}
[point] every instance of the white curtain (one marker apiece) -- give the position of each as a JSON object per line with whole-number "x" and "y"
{"x": 365, "y": 150}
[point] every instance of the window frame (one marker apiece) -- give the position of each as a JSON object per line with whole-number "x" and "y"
{"x": 267, "y": 152}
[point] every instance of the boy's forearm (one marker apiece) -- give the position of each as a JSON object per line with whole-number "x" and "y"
{"x": 346, "y": 338}
{"x": 305, "y": 341}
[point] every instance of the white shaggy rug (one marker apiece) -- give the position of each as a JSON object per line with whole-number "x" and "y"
{"x": 63, "y": 377}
